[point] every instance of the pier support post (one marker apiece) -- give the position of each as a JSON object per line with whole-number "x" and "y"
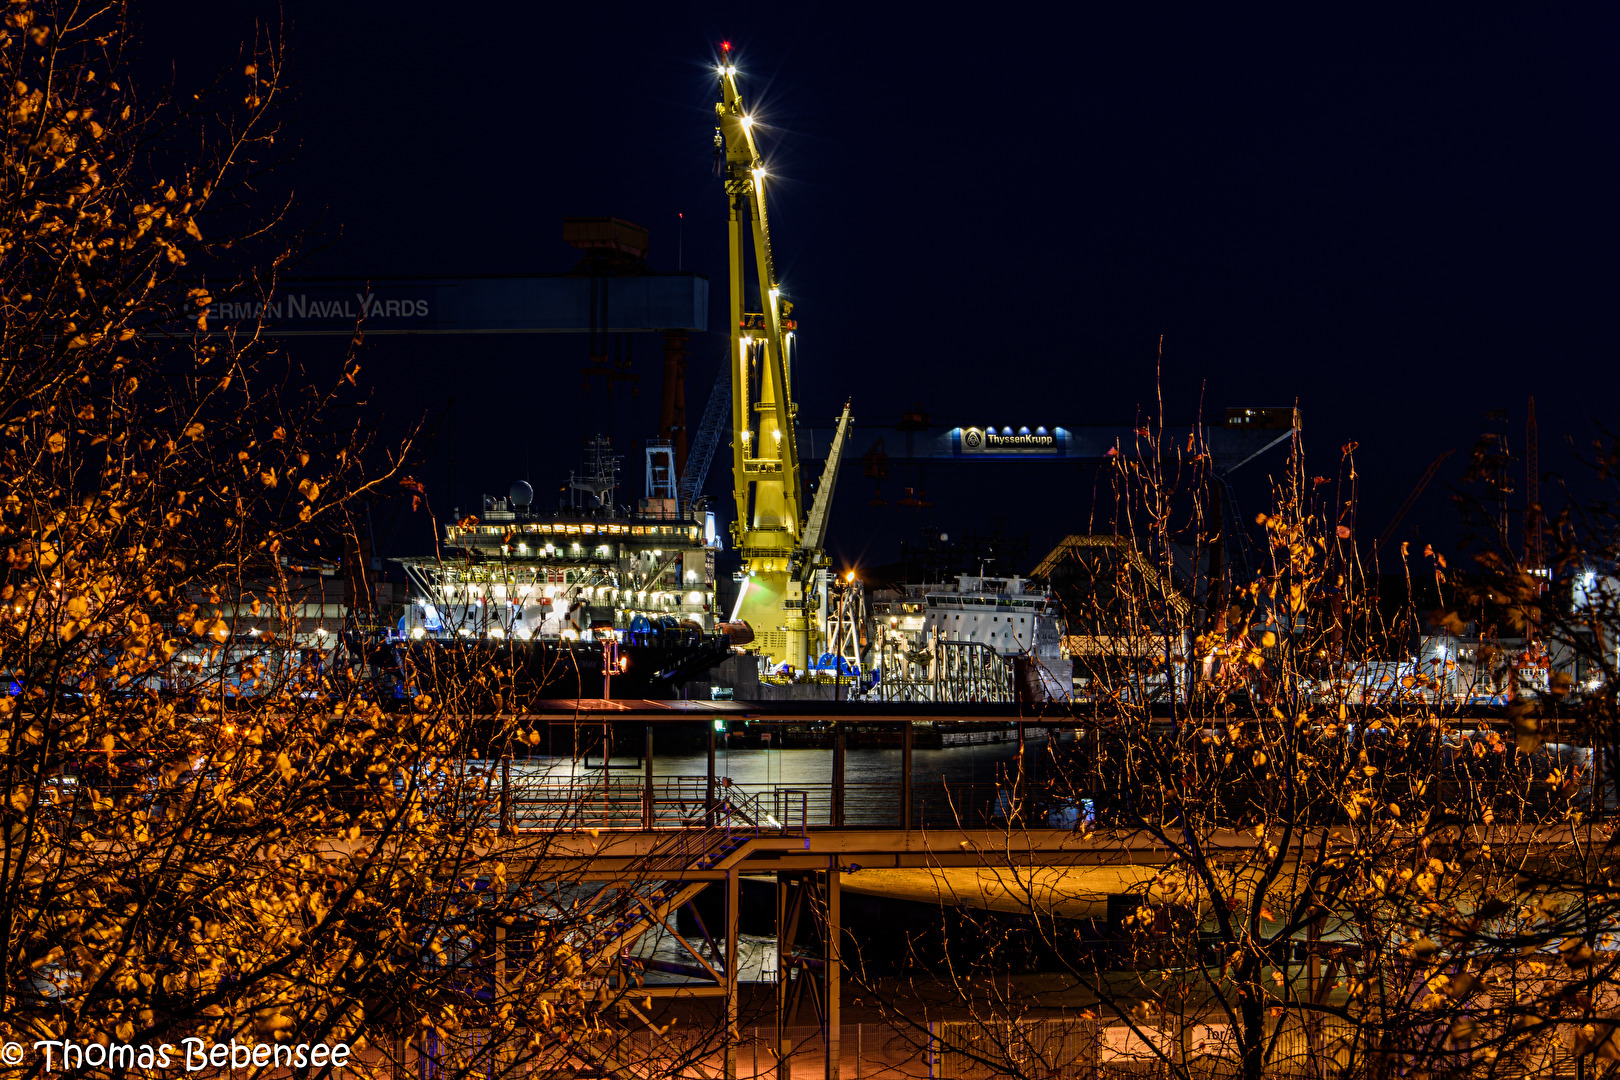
{"x": 784, "y": 946}
{"x": 1019, "y": 788}
{"x": 733, "y": 1036}
{"x": 835, "y": 815}
{"x": 905, "y": 776}
{"x": 500, "y": 963}
{"x": 708, "y": 790}
{"x": 832, "y": 967}
{"x": 647, "y": 807}
{"x": 506, "y": 793}
{"x": 1314, "y": 989}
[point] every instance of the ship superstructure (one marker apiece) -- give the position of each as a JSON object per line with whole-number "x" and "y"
{"x": 1004, "y": 613}
{"x": 584, "y": 570}
{"x": 984, "y": 624}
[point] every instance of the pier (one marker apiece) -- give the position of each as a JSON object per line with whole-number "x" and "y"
{"x": 656, "y": 847}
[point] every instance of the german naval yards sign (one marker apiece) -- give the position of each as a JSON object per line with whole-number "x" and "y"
{"x": 994, "y": 441}
{"x": 516, "y": 305}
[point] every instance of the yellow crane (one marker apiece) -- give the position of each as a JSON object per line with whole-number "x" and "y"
{"x": 781, "y": 593}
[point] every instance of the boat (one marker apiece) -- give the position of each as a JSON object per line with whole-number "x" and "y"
{"x": 584, "y": 599}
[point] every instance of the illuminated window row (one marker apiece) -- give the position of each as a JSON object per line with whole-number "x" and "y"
{"x": 577, "y": 529}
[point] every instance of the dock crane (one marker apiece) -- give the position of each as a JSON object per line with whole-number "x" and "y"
{"x": 781, "y": 547}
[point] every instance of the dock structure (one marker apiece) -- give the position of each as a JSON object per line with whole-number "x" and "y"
{"x": 633, "y": 850}
{"x": 636, "y": 848}
{"x": 643, "y": 878}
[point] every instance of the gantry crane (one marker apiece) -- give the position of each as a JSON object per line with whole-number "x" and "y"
{"x": 781, "y": 592}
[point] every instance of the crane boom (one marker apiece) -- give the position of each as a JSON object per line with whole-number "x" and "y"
{"x": 769, "y": 530}
{"x": 1423, "y": 482}
{"x": 708, "y": 438}
{"x": 815, "y": 532}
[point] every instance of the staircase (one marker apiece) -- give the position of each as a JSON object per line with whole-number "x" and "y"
{"x": 627, "y": 913}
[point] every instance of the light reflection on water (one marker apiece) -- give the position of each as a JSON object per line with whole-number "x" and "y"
{"x": 871, "y": 777}
{"x": 981, "y": 763}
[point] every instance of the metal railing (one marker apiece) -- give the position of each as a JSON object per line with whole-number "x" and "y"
{"x": 681, "y": 803}
{"x": 509, "y": 799}
{"x": 786, "y": 800}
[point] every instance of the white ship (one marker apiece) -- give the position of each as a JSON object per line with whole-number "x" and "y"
{"x": 587, "y": 569}
{"x": 1004, "y": 616}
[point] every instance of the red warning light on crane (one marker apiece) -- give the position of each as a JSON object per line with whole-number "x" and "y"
{"x": 725, "y": 46}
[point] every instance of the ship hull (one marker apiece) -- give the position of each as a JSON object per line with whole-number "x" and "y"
{"x": 509, "y": 676}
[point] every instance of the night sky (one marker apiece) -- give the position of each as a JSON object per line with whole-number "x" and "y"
{"x": 1400, "y": 222}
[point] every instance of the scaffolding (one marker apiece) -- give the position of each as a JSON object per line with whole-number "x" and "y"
{"x": 660, "y": 500}
{"x": 593, "y": 488}
{"x": 846, "y": 628}
{"x": 953, "y": 672}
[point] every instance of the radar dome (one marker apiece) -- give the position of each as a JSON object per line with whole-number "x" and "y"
{"x": 521, "y": 494}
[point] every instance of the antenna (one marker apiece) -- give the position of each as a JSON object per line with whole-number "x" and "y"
{"x": 1532, "y": 491}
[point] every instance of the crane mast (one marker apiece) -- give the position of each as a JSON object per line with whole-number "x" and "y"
{"x": 781, "y": 574}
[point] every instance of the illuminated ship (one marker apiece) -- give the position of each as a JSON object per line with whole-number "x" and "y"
{"x": 557, "y": 591}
